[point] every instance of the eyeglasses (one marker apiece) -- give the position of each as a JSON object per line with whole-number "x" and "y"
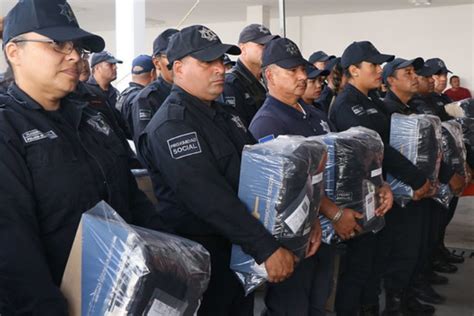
{"x": 65, "y": 48}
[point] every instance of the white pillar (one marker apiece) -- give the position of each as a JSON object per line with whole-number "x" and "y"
{"x": 258, "y": 14}
{"x": 3, "y": 63}
{"x": 129, "y": 36}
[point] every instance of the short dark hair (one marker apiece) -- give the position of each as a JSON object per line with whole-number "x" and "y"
{"x": 453, "y": 77}
{"x": 347, "y": 73}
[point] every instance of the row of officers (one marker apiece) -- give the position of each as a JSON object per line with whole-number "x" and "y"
{"x": 64, "y": 148}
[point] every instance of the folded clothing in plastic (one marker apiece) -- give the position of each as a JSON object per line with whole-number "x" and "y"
{"x": 352, "y": 175}
{"x": 281, "y": 184}
{"x": 119, "y": 269}
{"x": 454, "y": 155}
{"x": 462, "y": 108}
{"x": 467, "y": 125}
{"x": 418, "y": 138}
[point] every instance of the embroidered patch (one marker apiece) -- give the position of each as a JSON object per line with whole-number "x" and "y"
{"x": 372, "y": 111}
{"x": 144, "y": 115}
{"x": 358, "y": 110}
{"x": 184, "y": 145}
{"x": 35, "y": 135}
{"x": 325, "y": 126}
{"x": 208, "y": 34}
{"x": 238, "y": 122}
{"x": 99, "y": 124}
{"x": 230, "y": 101}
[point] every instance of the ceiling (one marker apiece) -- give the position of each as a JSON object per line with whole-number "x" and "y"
{"x": 99, "y": 14}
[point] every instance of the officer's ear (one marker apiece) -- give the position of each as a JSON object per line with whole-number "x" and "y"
{"x": 390, "y": 81}
{"x": 354, "y": 71}
{"x": 267, "y": 72}
{"x": 178, "y": 69}
{"x": 156, "y": 62}
{"x": 13, "y": 53}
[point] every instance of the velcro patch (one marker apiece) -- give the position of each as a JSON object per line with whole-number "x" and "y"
{"x": 230, "y": 101}
{"x": 144, "y": 115}
{"x": 35, "y": 135}
{"x": 184, "y": 145}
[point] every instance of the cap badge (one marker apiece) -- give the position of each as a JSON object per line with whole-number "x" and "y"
{"x": 292, "y": 49}
{"x": 263, "y": 29}
{"x": 208, "y": 34}
{"x": 441, "y": 64}
{"x": 67, "y": 12}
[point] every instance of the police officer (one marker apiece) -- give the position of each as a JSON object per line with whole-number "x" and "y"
{"x": 59, "y": 157}
{"x": 244, "y": 89}
{"x": 333, "y": 84}
{"x": 228, "y": 63}
{"x": 152, "y": 96}
{"x": 314, "y": 85}
{"x": 284, "y": 112}
{"x": 143, "y": 72}
{"x": 406, "y": 226}
{"x": 356, "y": 105}
{"x": 192, "y": 149}
{"x": 320, "y": 59}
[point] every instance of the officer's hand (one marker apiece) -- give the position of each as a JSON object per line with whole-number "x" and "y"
{"x": 346, "y": 227}
{"x": 422, "y": 192}
{"x": 314, "y": 239}
{"x": 457, "y": 183}
{"x": 385, "y": 199}
{"x": 280, "y": 265}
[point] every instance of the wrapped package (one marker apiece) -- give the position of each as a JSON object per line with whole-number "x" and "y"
{"x": 454, "y": 155}
{"x": 462, "y": 108}
{"x": 418, "y": 138}
{"x": 353, "y": 175}
{"x": 118, "y": 269}
{"x": 281, "y": 184}
{"x": 467, "y": 125}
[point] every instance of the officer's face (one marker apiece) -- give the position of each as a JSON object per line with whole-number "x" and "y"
{"x": 455, "y": 82}
{"x": 85, "y": 69}
{"x": 313, "y": 88}
{"x": 41, "y": 70}
{"x": 107, "y": 71}
{"x": 404, "y": 80}
{"x": 252, "y": 53}
{"x": 425, "y": 84}
{"x": 287, "y": 83}
{"x": 441, "y": 81}
{"x": 161, "y": 63}
{"x": 368, "y": 76}
{"x": 320, "y": 65}
{"x": 204, "y": 80}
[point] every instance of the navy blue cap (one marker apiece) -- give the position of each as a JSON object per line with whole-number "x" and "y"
{"x": 160, "y": 44}
{"x": 400, "y": 63}
{"x": 142, "y": 64}
{"x": 256, "y": 33}
{"x": 426, "y": 70}
{"x": 228, "y": 61}
{"x": 320, "y": 56}
{"x": 313, "y": 72}
{"x": 439, "y": 65}
{"x": 199, "y": 42}
{"x": 358, "y": 52}
{"x": 284, "y": 53}
{"x": 331, "y": 63}
{"x": 51, "y": 18}
{"x": 104, "y": 56}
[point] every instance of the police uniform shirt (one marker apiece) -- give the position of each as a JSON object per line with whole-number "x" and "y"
{"x": 352, "y": 108}
{"x": 277, "y": 118}
{"x": 125, "y": 101}
{"x": 193, "y": 151}
{"x": 243, "y": 92}
{"x": 433, "y": 104}
{"x": 55, "y": 165}
{"x": 145, "y": 105}
{"x": 110, "y": 95}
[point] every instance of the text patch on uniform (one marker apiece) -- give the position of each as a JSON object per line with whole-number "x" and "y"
{"x": 184, "y": 145}
{"x": 35, "y": 135}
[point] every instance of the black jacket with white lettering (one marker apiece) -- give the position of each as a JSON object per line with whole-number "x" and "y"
{"x": 54, "y": 166}
{"x": 353, "y": 108}
{"x": 193, "y": 151}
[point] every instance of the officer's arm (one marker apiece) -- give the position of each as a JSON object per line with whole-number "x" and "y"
{"x": 189, "y": 168}
{"x": 142, "y": 113}
{"x": 265, "y": 128}
{"x": 24, "y": 272}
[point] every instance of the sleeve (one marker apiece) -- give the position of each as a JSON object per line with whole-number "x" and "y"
{"x": 233, "y": 95}
{"x": 325, "y": 99}
{"x": 266, "y": 127}
{"x": 189, "y": 168}
{"x": 24, "y": 271}
{"x": 142, "y": 113}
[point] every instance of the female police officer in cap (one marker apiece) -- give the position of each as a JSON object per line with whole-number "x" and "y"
{"x": 59, "y": 157}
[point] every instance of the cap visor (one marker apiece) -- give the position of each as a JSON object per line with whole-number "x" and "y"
{"x": 417, "y": 63}
{"x": 89, "y": 41}
{"x": 380, "y": 59}
{"x": 114, "y": 61}
{"x": 331, "y": 63}
{"x": 291, "y": 62}
{"x": 426, "y": 71}
{"x": 264, "y": 39}
{"x": 215, "y": 51}
{"x": 318, "y": 73}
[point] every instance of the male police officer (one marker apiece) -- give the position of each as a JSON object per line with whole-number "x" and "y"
{"x": 244, "y": 89}
{"x": 143, "y": 72}
{"x": 59, "y": 157}
{"x": 151, "y": 97}
{"x": 319, "y": 59}
{"x": 192, "y": 149}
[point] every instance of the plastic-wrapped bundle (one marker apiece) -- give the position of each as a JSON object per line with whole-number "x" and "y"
{"x": 418, "y": 138}
{"x": 468, "y": 137}
{"x": 281, "y": 184}
{"x": 353, "y": 174}
{"x": 454, "y": 155}
{"x": 462, "y": 108}
{"x": 119, "y": 269}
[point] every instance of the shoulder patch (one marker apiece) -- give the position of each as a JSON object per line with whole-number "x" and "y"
{"x": 184, "y": 145}
{"x": 144, "y": 114}
{"x": 230, "y": 101}
{"x": 35, "y": 135}
{"x": 358, "y": 110}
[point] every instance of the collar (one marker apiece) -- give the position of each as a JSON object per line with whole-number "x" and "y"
{"x": 92, "y": 80}
{"x": 135, "y": 85}
{"x": 248, "y": 75}
{"x": 193, "y": 103}
{"x": 162, "y": 82}
{"x": 21, "y": 97}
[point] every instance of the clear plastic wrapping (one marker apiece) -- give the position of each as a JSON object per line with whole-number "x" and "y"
{"x": 353, "y": 175}
{"x": 281, "y": 183}
{"x": 462, "y": 108}
{"x": 454, "y": 155}
{"x": 467, "y": 125}
{"x": 418, "y": 138}
{"x": 129, "y": 270}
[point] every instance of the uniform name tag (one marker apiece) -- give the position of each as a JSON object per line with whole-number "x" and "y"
{"x": 35, "y": 135}
{"x": 184, "y": 145}
{"x": 372, "y": 111}
{"x": 230, "y": 101}
{"x": 358, "y": 110}
{"x": 144, "y": 115}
